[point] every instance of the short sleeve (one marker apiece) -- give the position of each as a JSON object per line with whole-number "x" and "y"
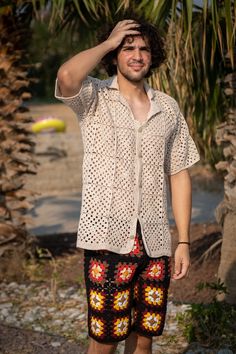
{"x": 181, "y": 151}
{"x": 83, "y": 100}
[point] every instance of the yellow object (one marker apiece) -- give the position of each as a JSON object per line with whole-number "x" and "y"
{"x": 49, "y": 123}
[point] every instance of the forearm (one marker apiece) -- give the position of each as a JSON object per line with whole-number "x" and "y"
{"x": 73, "y": 72}
{"x": 181, "y": 198}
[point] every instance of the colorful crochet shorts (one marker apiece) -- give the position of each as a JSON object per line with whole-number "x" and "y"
{"x": 126, "y": 292}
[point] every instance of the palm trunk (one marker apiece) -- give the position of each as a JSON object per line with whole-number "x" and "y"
{"x": 226, "y": 211}
{"x": 16, "y": 146}
{"x": 227, "y": 268}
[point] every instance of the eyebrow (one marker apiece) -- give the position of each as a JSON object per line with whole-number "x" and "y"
{"x": 133, "y": 46}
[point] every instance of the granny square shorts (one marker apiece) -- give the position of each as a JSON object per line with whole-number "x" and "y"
{"x": 126, "y": 292}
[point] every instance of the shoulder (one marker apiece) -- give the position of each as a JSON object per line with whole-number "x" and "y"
{"x": 98, "y": 83}
{"x": 167, "y": 103}
{"x": 170, "y": 109}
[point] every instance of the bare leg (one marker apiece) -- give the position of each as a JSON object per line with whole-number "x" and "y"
{"x": 136, "y": 344}
{"x": 101, "y": 348}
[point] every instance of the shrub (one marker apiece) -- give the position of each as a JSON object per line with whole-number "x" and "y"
{"x": 213, "y": 324}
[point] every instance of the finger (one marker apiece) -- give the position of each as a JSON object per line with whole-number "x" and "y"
{"x": 129, "y": 27}
{"x": 124, "y": 29}
{"x": 124, "y": 23}
{"x": 183, "y": 272}
{"x": 128, "y": 21}
{"x": 131, "y": 32}
{"x": 177, "y": 267}
{"x": 128, "y": 24}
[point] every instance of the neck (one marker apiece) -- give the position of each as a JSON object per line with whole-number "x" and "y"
{"x": 129, "y": 88}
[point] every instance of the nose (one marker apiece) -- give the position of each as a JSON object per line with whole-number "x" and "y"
{"x": 137, "y": 54}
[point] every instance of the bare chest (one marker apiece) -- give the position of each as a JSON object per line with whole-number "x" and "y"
{"x": 140, "y": 110}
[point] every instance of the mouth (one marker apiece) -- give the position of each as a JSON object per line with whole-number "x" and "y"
{"x": 136, "y": 66}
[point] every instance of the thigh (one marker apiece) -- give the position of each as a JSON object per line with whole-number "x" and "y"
{"x": 150, "y": 293}
{"x": 108, "y": 278}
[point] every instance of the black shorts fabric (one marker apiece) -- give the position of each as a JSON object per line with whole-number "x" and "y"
{"x": 126, "y": 292}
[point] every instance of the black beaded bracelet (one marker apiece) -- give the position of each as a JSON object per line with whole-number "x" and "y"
{"x": 186, "y": 242}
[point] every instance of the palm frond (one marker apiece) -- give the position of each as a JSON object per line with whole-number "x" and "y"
{"x": 197, "y": 37}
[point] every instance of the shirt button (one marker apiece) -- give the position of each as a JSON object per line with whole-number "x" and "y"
{"x": 140, "y": 154}
{"x": 140, "y": 129}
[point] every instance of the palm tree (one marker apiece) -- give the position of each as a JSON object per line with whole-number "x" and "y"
{"x": 16, "y": 148}
{"x": 226, "y": 211}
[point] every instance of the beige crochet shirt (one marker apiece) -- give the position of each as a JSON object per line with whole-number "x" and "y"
{"x": 124, "y": 166}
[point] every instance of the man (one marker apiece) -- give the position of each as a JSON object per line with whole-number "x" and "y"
{"x": 133, "y": 137}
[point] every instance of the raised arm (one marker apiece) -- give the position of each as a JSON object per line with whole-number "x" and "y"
{"x": 181, "y": 198}
{"x": 73, "y": 72}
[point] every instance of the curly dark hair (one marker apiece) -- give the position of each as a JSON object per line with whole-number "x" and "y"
{"x": 147, "y": 30}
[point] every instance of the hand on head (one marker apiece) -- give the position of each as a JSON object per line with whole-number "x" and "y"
{"x": 121, "y": 30}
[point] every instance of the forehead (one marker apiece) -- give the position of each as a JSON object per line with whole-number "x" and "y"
{"x": 136, "y": 40}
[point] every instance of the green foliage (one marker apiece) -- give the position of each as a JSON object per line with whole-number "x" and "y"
{"x": 48, "y": 52}
{"x": 198, "y": 38}
{"x": 195, "y": 71}
{"x": 212, "y": 324}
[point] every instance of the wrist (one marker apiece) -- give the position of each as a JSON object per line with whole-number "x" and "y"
{"x": 184, "y": 237}
{"x": 103, "y": 48}
{"x": 109, "y": 45}
{"x": 187, "y": 243}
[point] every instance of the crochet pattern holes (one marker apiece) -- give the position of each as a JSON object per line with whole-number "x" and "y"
{"x": 125, "y": 166}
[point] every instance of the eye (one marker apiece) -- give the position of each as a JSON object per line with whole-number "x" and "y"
{"x": 146, "y": 49}
{"x": 128, "y": 48}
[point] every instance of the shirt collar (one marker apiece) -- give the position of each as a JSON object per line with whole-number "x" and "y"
{"x": 113, "y": 84}
{"x": 155, "y": 106}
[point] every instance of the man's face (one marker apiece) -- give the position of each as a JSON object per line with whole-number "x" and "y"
{"x": 134, "y": 58}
